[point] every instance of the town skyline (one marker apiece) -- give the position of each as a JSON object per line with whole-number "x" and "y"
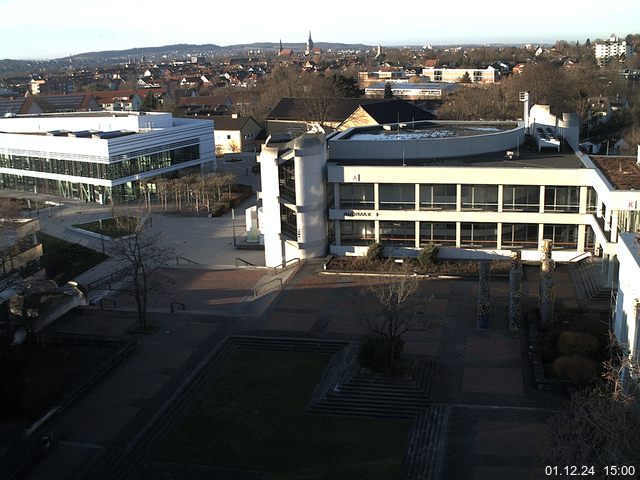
{"x": 56, "y": 33}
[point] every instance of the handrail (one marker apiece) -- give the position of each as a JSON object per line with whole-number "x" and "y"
{"x": 285, "y": 265}
{"x": 257, "y": 289}
{"x": 178, "y": 258}
{"x": 244, "y": 261}
{"x": 108, "y": 279}
{"x": 172, "y": 306}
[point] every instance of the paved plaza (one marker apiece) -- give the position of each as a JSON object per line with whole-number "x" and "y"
{"x": 498, "y": 422}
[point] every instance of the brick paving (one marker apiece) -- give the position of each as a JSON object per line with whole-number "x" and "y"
{"x": 483, "y": 375}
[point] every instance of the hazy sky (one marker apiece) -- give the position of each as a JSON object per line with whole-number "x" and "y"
{"x": 44, "y": 29}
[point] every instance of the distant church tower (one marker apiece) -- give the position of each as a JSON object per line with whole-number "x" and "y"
{"x": 309, "y": 49}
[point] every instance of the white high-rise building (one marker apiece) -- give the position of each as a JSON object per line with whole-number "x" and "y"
{"x": 612, "y": 48}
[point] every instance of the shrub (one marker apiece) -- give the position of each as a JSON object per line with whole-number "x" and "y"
{"x": 577, "y": 343}
{"x": 580, "y": 371}
{"x": 375, "y": 353}
{"x": 428, "y": 255}
{"x": 375, "y": 252}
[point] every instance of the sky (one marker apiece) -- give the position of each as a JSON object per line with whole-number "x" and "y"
{"x": 46, "y": 29}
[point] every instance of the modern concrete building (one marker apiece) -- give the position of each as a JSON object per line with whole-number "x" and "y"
{"x": 626, "y": 323}
{"x": 412, "y": 91}
{"x": 99, "y": 156}
{"x": 477, "y": 189}
{"x": 457, "y": 75}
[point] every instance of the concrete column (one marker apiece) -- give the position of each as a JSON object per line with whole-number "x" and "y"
{"x": 417, "y": 196}
{"x": 614, "y": 226}
{"x": 458, "y": 202}
{"x": 336, "y": 195}
{"x": 458, "y": 234}
{"x": 541, "y": 210}
{"x": 499, "y": 235}
{"x": 581, "y": 237}
{"x": 376, "y": 197}
{"x": 417, "y": 243}
{"x": 377, "y": 226}
{"x": 582, "y": 208}
{"x": 336, "y": 231}
{"x": 612, "y": 274}
{"x": 500, "y": 201}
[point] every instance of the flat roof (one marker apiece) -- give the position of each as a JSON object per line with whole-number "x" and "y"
{"x": 425, "y": 130}
{"x": 525, "y": 157}
{"x": 622, "y": 172}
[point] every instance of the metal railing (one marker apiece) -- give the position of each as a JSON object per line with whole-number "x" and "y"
{"x": 257, "y": 291}
{"x": 108, "y": 280}
{"x": 283, "y": 266}
{"x": 185, "y": 260}
{"x": 238, "y": 259}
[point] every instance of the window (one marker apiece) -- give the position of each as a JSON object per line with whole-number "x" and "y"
{"x": 288, "y": 223}
{"x": 437, "y": 197}
{"x": 562, "y": 199}
{"x": 443, "y": 234}
{"x": 397, "y": 196}
{"x": 478, "y": 235}
{"x": 356, "y": 195}
{"x": 520, "y": 198}
{"x": 592, "y": 200}
{"x": 519, "y": 235}
{"x": 357, "y": 232}
{"x": 562, "y": 236}
{"x": 480, "y": 197}
{"x": 287, "y": 179}
{"x": 401, "y": 234}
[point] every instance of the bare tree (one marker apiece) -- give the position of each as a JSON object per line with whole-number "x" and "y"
{"x": 142, "y": 254}
{"x": 600, "y": 425}
{"x": 395, "y": 311}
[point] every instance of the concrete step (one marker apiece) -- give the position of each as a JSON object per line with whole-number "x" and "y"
{"x": 426, "y": 448}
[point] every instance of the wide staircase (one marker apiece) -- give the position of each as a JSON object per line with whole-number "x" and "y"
{"x": 427, "y": 445}
{"x": 591, "y": 282}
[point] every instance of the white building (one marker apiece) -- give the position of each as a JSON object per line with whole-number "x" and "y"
{"x": 457, "y": 75}
{"x": 612, "y": 48}
{"x": 99, "y": 156}
{"x": 477, "y": 189}
{"x": 411, "y": 91}
{"x": 627, "y": 311}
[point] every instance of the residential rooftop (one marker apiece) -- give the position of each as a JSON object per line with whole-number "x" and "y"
{"x": 622, "y": 172}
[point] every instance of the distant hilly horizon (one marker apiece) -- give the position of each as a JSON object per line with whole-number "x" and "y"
{"x": 185, "y": 48}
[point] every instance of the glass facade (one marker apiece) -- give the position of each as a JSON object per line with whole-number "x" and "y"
{"x": 438, "y": 197}
{"x": 397, "y": 196}
{"x": 401, "y": 234}
{"x": 480, "y": 197}
{"x": 443, "y": 234}
{"x": 354, "y": 232}
{"x": 123, "y": 167}
{"x": 357, "y": 195}
{"x": 519, "y": 235}
{"x": 478, "y": 235}
{"x": 520, "y": 198}
{"x": 562, "y": 199}
{"x": 563, "y": 236}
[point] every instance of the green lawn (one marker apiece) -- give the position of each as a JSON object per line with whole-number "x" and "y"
{"x": 110, "y": 227}
{"x": 253, "y": 417}
{"x": 65, "y": 260}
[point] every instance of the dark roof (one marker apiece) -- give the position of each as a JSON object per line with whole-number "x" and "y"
{"x": 230, "y": 123}
{"x": 297, "y": 109}
{"x": 393, "y": 111}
